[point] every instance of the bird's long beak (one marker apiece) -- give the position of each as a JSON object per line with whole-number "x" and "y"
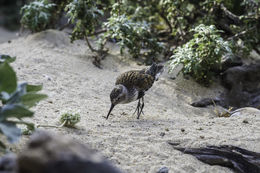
{"x": 111, "y": 108}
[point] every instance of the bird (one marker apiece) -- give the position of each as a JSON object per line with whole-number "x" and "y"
{"x": 132, "y": 85}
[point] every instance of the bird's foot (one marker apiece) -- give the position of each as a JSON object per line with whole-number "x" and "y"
{"x": 141, "y": 109}
{"x": 137, "y": 108}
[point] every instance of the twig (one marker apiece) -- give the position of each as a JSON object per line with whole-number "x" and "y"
{"x": 89, "y": 45}
{"x": 166, "y": 21}
{"x": 98, "y": 32}
{"x": 45, "y": 125}
{"x": 215, "y": 107}
{"x": 241, "y": 33}
{"x": 232, "y": 16}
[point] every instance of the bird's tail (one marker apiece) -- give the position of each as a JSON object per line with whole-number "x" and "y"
{"x": 155, "y": 70}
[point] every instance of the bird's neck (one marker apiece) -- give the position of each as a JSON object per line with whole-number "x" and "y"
{"x": 124, "y": 89}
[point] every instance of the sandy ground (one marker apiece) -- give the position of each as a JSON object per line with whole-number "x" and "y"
{"x": 73, "y": 84}
{"x": 6, "y": 35}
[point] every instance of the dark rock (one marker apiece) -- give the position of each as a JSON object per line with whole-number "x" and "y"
{"x": 55, "y": 154}
{"x": 163, "y": 170}
{"x": 231, "y": 61}
{"x": 242, "y": 88}
{"x": 206, "y": 102}
{"x": 8, "y": 163}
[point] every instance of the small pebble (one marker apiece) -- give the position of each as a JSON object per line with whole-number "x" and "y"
{"x": 245, "y": 121}
{"x": 123, "y": 113}
{"x": 202, "y": 137}
{"x": 163, "y": 170}
{"x": 162, "y": 134}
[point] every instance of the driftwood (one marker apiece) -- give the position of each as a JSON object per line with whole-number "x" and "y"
{"x": 238, "y": 159}
{"x": 242, "y": 88}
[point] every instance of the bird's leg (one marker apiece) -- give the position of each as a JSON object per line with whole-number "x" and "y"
{"x": 142, "y": 106}
{"x": 141, "y": 109}
{"x": 137, "y": 108}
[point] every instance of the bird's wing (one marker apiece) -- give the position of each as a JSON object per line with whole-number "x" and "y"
{"x": 135, "y": 79}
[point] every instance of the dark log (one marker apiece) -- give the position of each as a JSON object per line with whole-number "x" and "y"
{"x": 238, "y": 159}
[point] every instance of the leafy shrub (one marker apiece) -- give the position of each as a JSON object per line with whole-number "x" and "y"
{"x": 15, "y": 99}
{"x": 143, "y": 23}
{"x": 133, "y": 35}
{"x": 38, "y": 15}
{"x": 202, "y": 54}
{"x": 85, "y": 15}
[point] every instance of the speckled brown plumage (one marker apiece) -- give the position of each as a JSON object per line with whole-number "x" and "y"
{"x": 137, "y": 79}
{"x": 132, "y": 85}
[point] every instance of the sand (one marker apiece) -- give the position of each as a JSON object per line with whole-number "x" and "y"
{"x": 75, "y": 85}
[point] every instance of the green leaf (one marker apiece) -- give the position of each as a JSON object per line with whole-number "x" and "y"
{"x": 16, "y": 96}
{"x": 31, "y": 99}
{"x": 7, "y": 78}
{"x": 14, "y": 110}
{"x": 33, "y": 88}
{"x": 6, "y": 58}
{"x": 10, "y": 130}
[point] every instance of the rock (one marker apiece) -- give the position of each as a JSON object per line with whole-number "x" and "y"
{"x": 163, "y": 170}
{"x": 241, "y": 88}
{"x": 8, "y": 163}
{"x": 230, "y": 61}
{"x": 55, "y": 154}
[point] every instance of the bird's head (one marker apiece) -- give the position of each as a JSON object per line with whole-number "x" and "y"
{"x": 117, "y": 96}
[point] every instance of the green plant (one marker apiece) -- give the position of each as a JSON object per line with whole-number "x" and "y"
{"x": 135, "y": 36}
{"x": 66, "y": 119}
{"x": 202, "y": 54}
{"x": 6, "y": 58}
{"x": 85, "y": 15}
{"x": 15, "y": 99}
{"x": 38, "y": 15}
{"x": 69, "y": 120}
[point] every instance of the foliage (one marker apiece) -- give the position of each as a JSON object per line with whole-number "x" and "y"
{"x": 202, "y": 54}
{"x": 16, "y": 99}
{"x": 133, "y": 35}
{"x": 141, "y": 26}
{"x": 37, "y": 16}
{"x": 70, "y": 120}
{"x": 85, "y": 15}
{"x": 6, "y": 58}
